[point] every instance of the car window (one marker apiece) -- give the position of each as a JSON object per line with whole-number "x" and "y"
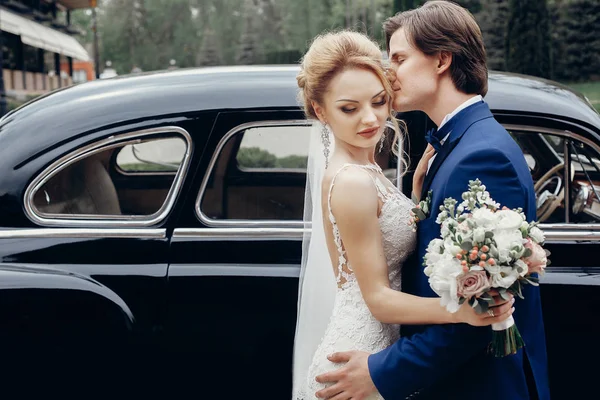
{"x": 85, "y": 184}
{"x": 546, "y": 152}
{"x": 161, "y": 155}
{"x": 259, "y": 174}
{"x": 281, "y": 148}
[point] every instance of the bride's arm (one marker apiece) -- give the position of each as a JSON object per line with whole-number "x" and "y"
{"x": 354, "y": 204}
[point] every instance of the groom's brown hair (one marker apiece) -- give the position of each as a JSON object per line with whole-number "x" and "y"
{"x": 439, "y": 26}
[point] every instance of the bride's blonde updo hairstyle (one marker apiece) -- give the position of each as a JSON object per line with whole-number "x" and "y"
{"x": 332, "y": 53}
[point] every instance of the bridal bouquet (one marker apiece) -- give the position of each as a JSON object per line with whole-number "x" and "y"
{"x": 484, "y": 248}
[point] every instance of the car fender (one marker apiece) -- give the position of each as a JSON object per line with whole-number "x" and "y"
{"x": 31, "y": 287}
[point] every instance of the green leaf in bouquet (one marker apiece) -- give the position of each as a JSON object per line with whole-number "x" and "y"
{"x": 527, "y": 252}
{"x": 487, "y": 297}
{"x": 476, "y": 305}
{"x": 466, "y": 245}
{"x": 482, "y": 307}
{"x": 462, "y": 300}
{"x": 472, "y": 301}
{"x": 489, "y": 234}
{"x": 531, "y": 281}
{"x": 419, "y": 213}
{"x": 504, "y": 294}
{"x": 517, "y": 290}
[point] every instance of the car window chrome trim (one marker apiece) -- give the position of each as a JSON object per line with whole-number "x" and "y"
{"x": 249, "y": 270}
{"x": 296, "y": 234}
{"x": 240, "y": 234}
{"x": 572, "y": 236}
{"x": 215, "y": 156}
{"x": 570, "y": 136}
{"x": 558, "y": 132}
{"x": 569, "y": 227}
{"x": 240, "y": 223}
{"x": 52, "y": 233}
{"x": 107, "y": 220}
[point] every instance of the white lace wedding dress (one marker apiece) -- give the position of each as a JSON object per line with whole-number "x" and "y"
{"x": 352, "y": 326}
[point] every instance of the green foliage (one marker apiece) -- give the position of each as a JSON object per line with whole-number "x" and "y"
{"x": 559, "y": 41}
{"x": 579, "y": 43}
{"x": 293, "y": 161}
{"x": 591, "y": 90}
{"x": 255, "y": 157}
{"x": 145, "y": 167}
{"x": 492, "y": 18}
{"x": 528, "y": 38}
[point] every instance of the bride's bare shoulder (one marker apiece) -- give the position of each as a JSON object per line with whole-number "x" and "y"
{"x": 352, "y": 188}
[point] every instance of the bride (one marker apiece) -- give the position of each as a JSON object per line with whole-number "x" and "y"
{"x": 349, "y": 293}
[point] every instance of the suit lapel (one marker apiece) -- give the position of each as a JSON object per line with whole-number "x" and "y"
{"x": 460, "y": 124}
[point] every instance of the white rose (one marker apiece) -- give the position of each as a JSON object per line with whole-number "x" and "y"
{"x": 536, "y": 234}
{"x": 506, "y": 240}
{"x": 449, "y": 302}
{"x": 484, "y": 217}
{"x": 505, "y": 278}
{"x": 433, "y": 254}
{"x": 443, "y": 275}
{"x": 435, "y": 246}
{"x": 508, "y": 219}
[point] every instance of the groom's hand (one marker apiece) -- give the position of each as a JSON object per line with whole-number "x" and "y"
{"x": 353, "y": 380}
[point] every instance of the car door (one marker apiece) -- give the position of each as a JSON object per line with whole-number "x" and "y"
{"x": 82, "y": 229}
{"x": 235, "y": 263}
{"x": 565, "y": 166}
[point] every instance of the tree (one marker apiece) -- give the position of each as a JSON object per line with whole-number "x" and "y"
{"x": 581, "y": 41}
{"x": 209, "y": 52}
{"x": 249, "y": 49}
{"x": 492, "y": 18}
{"x": 255, "y": 157}
{"x": 527, "y": 46}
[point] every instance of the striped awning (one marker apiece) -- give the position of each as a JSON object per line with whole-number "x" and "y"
{"x": 37, "y": 35}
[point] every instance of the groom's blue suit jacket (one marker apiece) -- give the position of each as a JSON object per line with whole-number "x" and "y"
{"x": 451, "y": 361}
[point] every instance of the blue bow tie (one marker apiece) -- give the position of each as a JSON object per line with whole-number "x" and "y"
{"x": 435, "y": 137}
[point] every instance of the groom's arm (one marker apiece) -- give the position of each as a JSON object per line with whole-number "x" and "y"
{"x": 414, "y": 363}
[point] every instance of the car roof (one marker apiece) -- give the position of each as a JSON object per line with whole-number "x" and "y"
{"x": 105, "y": 102}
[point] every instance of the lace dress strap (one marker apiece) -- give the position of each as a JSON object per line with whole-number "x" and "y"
{"x": 344, "y": 269}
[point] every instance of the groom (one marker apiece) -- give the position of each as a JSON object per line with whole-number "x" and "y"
{"x": 439, "y": 60}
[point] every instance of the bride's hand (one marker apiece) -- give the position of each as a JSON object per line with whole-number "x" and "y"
{"x": 421, "y": 171}
{"x": 501, "y": 311}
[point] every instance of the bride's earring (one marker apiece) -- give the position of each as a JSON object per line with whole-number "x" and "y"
{"x": 326, "y": 143}
{"x": 382, "y": 142}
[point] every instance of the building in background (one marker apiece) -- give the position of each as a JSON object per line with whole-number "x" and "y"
{"x": 39, "y": 52}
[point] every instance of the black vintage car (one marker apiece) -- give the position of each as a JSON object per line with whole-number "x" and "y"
{"x": 151, "y": 227}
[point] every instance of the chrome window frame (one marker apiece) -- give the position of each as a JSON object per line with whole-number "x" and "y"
{"x": 83, "y": 233}
{"x": 243, "y": 223}
{"x": 563, "y": 231}
{"x": 107, "y": 220}
{"x": 294, "y": 230}
{"x": 250, "y": 223}
{"x": 122, "y": 172}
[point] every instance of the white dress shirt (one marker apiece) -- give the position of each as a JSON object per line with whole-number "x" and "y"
{"x": 447, "y": 118}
